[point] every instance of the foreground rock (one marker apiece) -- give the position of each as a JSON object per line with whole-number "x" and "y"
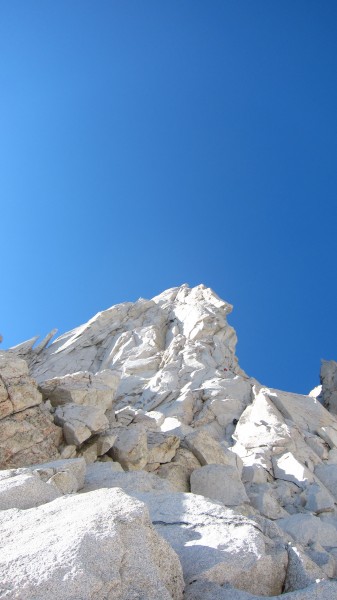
{"x": 93, "y": 546}
{"x": 216, "y": 544}
{"x": 201, "y": 590}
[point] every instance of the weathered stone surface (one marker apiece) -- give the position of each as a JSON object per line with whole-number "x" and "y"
{"x": 305, "y": 411}
{"x": 327, "y": 474}
{"x": 329, "y": 385}
{"x": 176, "y": 475}
{"x": 76, "y": 467}
{"x": 306, "y": 528}
{"x": 25, "y": 491}
{"x": 288, "y": 468}
{"x": 161, "y": 447}
{"x": 130, "y": 448}
{"x": 80, "y": 422}
{"x": 220, "y": 483}
{"x": 180, "y": 383}
{"x": 216, "y": 544}
{"x": 262, "y": 497}
{"x": 111, "y": 475}
{"x": 27, "y": 487}
{"x": 27, "y": 433}
{"x": 262, "y": 425}
{"x": 18, "y": 391}
{"x": 82, "y": 388}
{"x": 86, "y": 546}
{"x": 318, "y": 499}
{"x": 205, "y": 590}
{"x": 28, "y": 437}
{"x": 329, "y": 435}
{"x": 207, "y": 450}
{"x": 301, "y": 571}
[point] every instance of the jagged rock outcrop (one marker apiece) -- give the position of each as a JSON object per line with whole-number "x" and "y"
{"x": 28, "y": 434}
{"x": 240, "y": 479}
{"x": 329, "y": 385}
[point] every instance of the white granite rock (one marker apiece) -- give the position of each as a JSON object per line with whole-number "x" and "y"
{"x": 86, "y": 546}
{"x": 327, "y": 474}
{"x": 318, "y": 499}
{"x": 306, "y": 528}
{"x": 205, "y": 590}
{"x": 262, "y": 497}
{"x": 162, "y": 447}
{"x": 207, "y": 450}
{"x": 25, "y": 491}
{"x": 130, "y": 447}
{"x": 82, "y": 388}
{"x": 184, "y": 410}
{"x": 288, "y": 468}
{"x": 215, "y": 544}
{"x": 111, "y": 475}
{"x": 221, "y": 483}
{"x": 80, "y": 422}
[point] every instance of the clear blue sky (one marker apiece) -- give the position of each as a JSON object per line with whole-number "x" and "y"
{"x": 146, "y": 144}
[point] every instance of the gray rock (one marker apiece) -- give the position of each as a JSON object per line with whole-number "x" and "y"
{"x": 130, "y": 447}
{"x": 220, "y": 483}
{"x": 318, "y": 499}
{"x": 111, "y": 475}
{"x": 25, "y": 491}
{"x": 206, "y": 449}
{"x": 327, "y": 474}
{"x": 305, "y": 529}
{"x": 216, "y": 544}
{"x": 80, "y": 422}
{"x": 208, "y": 590}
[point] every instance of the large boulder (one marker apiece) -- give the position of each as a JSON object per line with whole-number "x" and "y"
{"x": 219, "y": 482}
{"x": 216, "y": 544}
{"x": 82, "y": 388}
{"x": 90, "y": 546}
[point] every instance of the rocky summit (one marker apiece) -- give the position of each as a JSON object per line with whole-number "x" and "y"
{"x": 140, "y": 462}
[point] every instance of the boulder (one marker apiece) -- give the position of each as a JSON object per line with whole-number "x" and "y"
{"x": 327, "y": 474}
{"x": 111, "y": 475}
{"x": 28, "y": 437}
{"x": 161, "y": 447}
{"x": 306, "y": 528}
{"x": 18, "y": 390}
{"x": 262, "y": 497}
{"x": 206, "y": 449}
{"x": 130, "y": 447}
{"x": 318, "y": 499}
{"x": 205, "y": 590}
{"x": 25, "y": 491}
{"x": 220, "y": 483}
{"x": 80, "y": 422}
{"x": 216, "y": 544}
{"x": 82, "y": 388}
{"x": 86, "y": 546}
{"x": 288, "y": 468}
{"x": 41, "y": 483}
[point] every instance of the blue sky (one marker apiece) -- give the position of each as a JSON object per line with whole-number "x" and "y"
{"x": 146, "y": 144}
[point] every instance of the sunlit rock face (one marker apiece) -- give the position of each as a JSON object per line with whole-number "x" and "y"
{"x": 240, "y": 479}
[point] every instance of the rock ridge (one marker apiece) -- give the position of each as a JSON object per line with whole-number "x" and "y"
{"x": 188, "y": 472}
